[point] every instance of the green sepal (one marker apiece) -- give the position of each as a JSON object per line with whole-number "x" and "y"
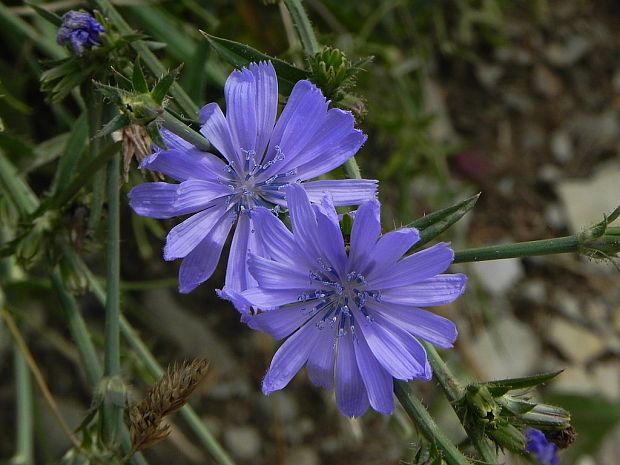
{"x": 116, "y": 123}
{"x": 433, "y": 224}
{"x": 514, "y": 406}
{"x": 46, "y": 14}
{"x": 138, "y": 80}
{"x": 163, "y": 85}
{"x": 240, "y": 55}
{"x": 502, "y": 386}
{"x": 509, "y": 437}
{"x": 545, "y": 416}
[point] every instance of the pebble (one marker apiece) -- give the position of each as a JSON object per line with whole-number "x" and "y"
{"x": 567, "y": 304}
{"x": 587, "y": 200}
{"x": 489, "y": 74}
{"x": 243, "y": 442}
{"x": 561, "y": 146}
{"x": 574, "y": 380}
{"x": 546, "y": 82}
{"x": 534, "y": 291}
{"x": 507, "y": 350}
{"x": 596, "y": 132}
{"x": 577, "y": 343}
{"x": 567, "y": 53}
{"x": 554, "y": 216}
{"x": 498, "y": 276}
{"x": 303, "y": 456}
{"x": 607, "y": 378}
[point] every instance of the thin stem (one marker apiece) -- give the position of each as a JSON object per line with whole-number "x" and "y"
{"x": 427, "y": 426}
{"x": 24, "y": 453}
{"x": 148, "y": 58}
{"x": 23, "y": 347}
{"x": 182, "y": 130}
{"x": 448, "y": 382}
{"x": 303, "y": 27}
{"x": 566, "y": 244}
{"x": 111, "y": 413}
{"x": 188, "y": 413}
{"x": 78, "y": 330}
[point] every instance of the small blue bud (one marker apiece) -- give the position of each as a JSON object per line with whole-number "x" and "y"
{"x": 80, "y": 30}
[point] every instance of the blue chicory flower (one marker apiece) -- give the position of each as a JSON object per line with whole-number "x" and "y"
{"x": 262, "y": 157}
{"x": 80, "y": 30}
{"x": 538, "y": 445}
{"x": 350, "y": 313}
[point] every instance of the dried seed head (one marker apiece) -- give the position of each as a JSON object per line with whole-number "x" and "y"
{"x": 146, "y": 419}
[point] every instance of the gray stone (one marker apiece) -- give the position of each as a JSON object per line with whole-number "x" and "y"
{"x": 509, "y": 349}
{"x": 577, "y": 343}
{"x": 567, "y": 304}
{"x": 569, "y": 52}
{"x": 610, "y": 449}
{"x": 489, "y": 74}
{"x": 561, "y": 146}
{"x": 498, "y": 276}
{"x": 243, "y": 442}
{"x": 587, "y": 200}
{"x": 574, "y": 380}
{"x": 534, "y": 291}
{"x": 555, "y": 216}
{"x": 596, "y": 132}
{"x": 546, "y": 82}
{"x": 607, "y": 379}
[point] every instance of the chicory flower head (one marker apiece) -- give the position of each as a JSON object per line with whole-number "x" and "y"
{"x": 80, "y": 30}
{"x": 539, "y": 446}
{"x": 352, "y": 313}
{"x": 262, "y": 157}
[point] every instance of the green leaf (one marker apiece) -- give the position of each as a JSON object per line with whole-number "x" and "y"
{"x": 46, "y": 14}
{"x": 195, "y": 79}
{"x": 138, "y": 80}
{"x": 15, "y": 188}
{"x": 240, "y": 55}
{"x": 502, "y": 386}
{"x": 71, "y": 155}
{"x": 435, "y": 223}
{"x": 163, "y": 85}
{"x": 118, "y": 122}
{"x": 515, "y": 405}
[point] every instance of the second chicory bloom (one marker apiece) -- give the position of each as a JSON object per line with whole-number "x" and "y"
{"x": 80, "y": 30}
{"x": 262, "y": 157}
{"x": 351, "y": 313}
{"x": 539, "y": 446}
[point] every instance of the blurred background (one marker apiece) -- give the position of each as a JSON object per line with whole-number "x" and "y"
{"x": 518, "y": 100}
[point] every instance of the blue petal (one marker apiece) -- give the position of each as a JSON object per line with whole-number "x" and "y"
{"x": 281, "y": 322}
{"x": 364, "y": 235}
{"x": 240, "y": 93}
{"x": 186, "y": 164}
{"x": 379, "y": 383}
{"x": 301, "y": 117}
{"x": 343, "y": 191}
{"x": 415, "y": 268}
{"x": 439, "y": 290}
{"x": 435, "y": 329}
{"x": 154, "y": 199}
{"x": 275, "y": 275}
{"x": 266, "y": 103}
{"x": 397, "y": 351}
{"x": 237, "y": 276}
{"x": 270, "y": 299}
{"x": 199, "y": 264}
{"x": 303, "y": 221}
{"x": 278, "y": 242}
{"x": 334, "y": 143}
{"x": 321, "y": 362}
{"x": 216, "y": 129}
{"x": 184, "y": 237}
{"x": 290, "y": 358}
{"x": 351, "y": 395}
{"x": 330, "y": 236}
{"x": 389, "y": 249}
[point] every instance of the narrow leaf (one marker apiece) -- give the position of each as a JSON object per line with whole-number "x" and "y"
{"x": 240, "y": 55}
{"x": 163, "y": 85}
{"x": 195, "y": 79}
{"x": 138, "y": 80}
{"x": 502, "y": 386}
{"x": 116, "y": 123}
{"x": 435, "y": 223}
{"x": 71, "y": 155}
{"x": 46, "y": 14}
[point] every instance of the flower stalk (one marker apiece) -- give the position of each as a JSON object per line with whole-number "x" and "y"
{"x": 24, "y": 452}
{"x": 182, "y": 130}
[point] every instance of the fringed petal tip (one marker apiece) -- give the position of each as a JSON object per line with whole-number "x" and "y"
{"x": 241, "y": 304}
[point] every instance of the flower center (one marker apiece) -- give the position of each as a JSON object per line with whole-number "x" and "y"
{"x": 334, "y": 298}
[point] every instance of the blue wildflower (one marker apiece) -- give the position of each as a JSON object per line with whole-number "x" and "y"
{"x": 353, "y": 318}
{"x": 80, "y": 30}
{"x": 538, "y": 445}
{"x": 262, "y": 157}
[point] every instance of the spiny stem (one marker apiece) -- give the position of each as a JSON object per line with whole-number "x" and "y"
{"x": 427, "y": 426}
{"x": 303, "y": 27}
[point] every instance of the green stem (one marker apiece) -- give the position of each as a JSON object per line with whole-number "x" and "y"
{"x": 448, "y": 382}
{"x": 112, "y": 413}
{"x": 427, "y": 426}
{"x": 24, "y": 454}
{"x": 190, "y": 416}
{"x": 78, "y": 330}
{"x": 182, "y": 130}
{"x": 303, "y": 27}
{"x": 148, "y": 58}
